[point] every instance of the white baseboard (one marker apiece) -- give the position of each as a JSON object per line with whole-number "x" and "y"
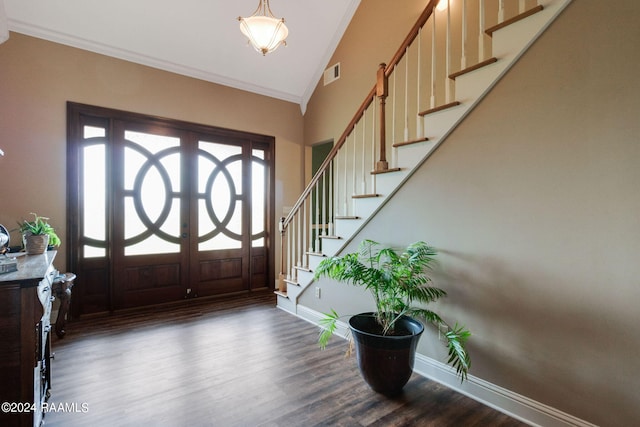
{"x": 508, "y": 402}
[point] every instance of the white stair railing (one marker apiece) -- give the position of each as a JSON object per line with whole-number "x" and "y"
{"x": 349, "y": 171}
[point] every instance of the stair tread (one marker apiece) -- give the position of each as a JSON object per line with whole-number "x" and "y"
{"x": 364, "y": 196}
{"x": 347, "y": 217}
{"x": 474, "y": 67}
{"x": 412, "y": 141}
{"x": 301, "y": 268}
{"x": 489, "y": 31}
{"x": 440, "y": 108}
{"x": 315, "y": 253}
{"x": 385, "y": 171}
{"x": 282, "y": 294}
{"x": 291, "y": 282}
{"x": 331, "y": 237}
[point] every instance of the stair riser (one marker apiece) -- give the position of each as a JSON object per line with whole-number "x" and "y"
{"x": 519, "y": 36}
{"x": 387, "y": 183}
{"x": 410, "y": 156}
{"x": 367, "y": 206}
{"x": 286, "y": 304}
{"x": 314, "y": 260}
{"x": 347, "y": 227}
{"x": 294, "y": 291}
{"x": 330, "y": 247}
{"x": 470, "y": 87}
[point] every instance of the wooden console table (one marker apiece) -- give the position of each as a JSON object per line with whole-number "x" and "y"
{"x": 25, "y": 352}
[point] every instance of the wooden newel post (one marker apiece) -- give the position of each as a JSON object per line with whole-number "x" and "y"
{"x": 382, "y": 90}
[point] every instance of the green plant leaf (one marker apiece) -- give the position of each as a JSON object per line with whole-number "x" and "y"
{"x": 458, "y": 356}
{"x": 39, "y": 226}
{"x": 328, "y": 325}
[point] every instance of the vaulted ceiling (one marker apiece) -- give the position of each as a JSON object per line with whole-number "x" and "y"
{"x": 196, "y": 38}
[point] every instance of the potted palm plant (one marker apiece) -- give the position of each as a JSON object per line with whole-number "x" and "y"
{"x": 37, "y": 235}
{"x": 385, "y": 340}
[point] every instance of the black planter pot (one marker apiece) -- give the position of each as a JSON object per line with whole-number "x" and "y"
{"x": 385, "y": 361}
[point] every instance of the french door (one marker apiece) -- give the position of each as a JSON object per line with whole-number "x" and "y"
{"x": 161, "y": 210}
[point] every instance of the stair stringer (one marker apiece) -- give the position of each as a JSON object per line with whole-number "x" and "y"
{"x": 508, "y": 45}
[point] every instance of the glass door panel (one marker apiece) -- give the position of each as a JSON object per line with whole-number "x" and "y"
{"x": 258, "y": 198}
{"x": 220, "y": 204}
{"x": 151, "y": 194}
{"x": 94, "y": 190}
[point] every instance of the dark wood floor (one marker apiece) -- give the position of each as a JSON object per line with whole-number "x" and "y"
{"x": 240, "y": 362}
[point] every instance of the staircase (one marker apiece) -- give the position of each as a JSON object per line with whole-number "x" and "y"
{"x": 428, "y": 95}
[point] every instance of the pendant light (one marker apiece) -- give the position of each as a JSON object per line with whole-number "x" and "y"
{"x": 264, "y": 31}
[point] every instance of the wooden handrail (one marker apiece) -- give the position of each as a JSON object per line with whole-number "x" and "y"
{"x": 422, "y": 19}
{"x": 332, "y": 154}
{"x": 413, "y": 33}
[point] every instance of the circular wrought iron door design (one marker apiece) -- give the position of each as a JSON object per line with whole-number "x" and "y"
{"x": 152, "y": 194}
{"x": 221, "y": 196}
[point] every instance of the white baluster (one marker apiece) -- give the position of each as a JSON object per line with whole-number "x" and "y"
{"x": 324, "y": 206}
{"x": 373, "y": 147}
{"x": 481, "y": 27}
{"x": 287, "y": 266}
{"x": 289, "y": 251}
{"x": 447, "y": 80}
{"x": 419, "y": 130}
{"x": 345, "y": 210}
{"x": 363, "y": 181}
{"x": 307, "y": 225}
{"x": 303, "y": 236}
{"x": 463, "y": 60}
{"x": 299, "y": 234}
{"x": 521, "y": 7}
{"x": 331, "y": 198}
{"x": 433, "y": 60}
{"x": 354, "y": 190}
{"x": 406, "y": 94}
{"x": 394, "y": 161}
{"x": 315, "y": 242}
{"x": 501, "y": 12}
{"x": 337, "y": 195}
{"x": 294, "y": 239}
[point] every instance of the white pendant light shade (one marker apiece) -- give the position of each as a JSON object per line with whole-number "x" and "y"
{"x": 264, "y": 31}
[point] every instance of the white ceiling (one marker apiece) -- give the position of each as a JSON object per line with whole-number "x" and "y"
{"x": 196, "y": 38}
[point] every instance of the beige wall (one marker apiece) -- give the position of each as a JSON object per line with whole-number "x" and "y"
{"x": 533, "y": 202}
{"x": 38, "y": 77}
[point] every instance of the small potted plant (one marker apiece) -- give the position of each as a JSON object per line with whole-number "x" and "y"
{"x": 37, "y": 235}
{"x": 385, "y": 340}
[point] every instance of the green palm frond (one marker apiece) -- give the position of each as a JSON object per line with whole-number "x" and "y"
{"x": 328, "y": 325}
{"x": 425, "y": 314}
{"x": 458, "y": 356}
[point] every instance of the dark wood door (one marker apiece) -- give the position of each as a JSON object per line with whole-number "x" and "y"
{"x": 229, "y": 217}
{"x": 150, "y": 249}
{"x": 161, "y": 210}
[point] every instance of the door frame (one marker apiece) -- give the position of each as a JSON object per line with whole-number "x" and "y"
{"x": 103, "y": 270}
